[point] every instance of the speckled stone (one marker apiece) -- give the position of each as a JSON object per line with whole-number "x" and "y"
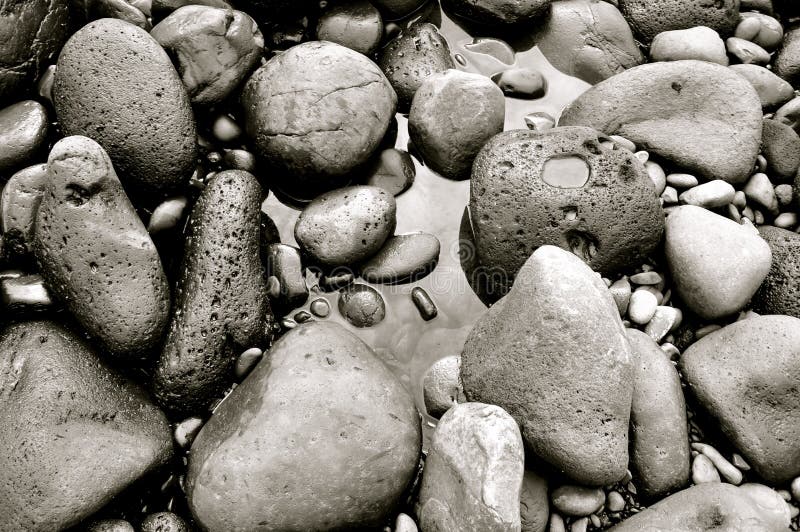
{"x": 361, "y": 305}
{"x": 781, "y": 147}
{"x": 648, "y": 18}
{"x": 780, "y": 291}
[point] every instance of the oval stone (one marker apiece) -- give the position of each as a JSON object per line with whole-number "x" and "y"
{"x": 23, "y": 129}
{"x": 403, "y": 259}
{"x": 779, "y": 293}
{"x": 321, "y": 435}
{"x": 115, "y": 84}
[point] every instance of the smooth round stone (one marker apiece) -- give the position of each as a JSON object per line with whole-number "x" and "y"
{"x": 23, "y": 129}
{"x": 452, "y": 116}
{"x": 220, "y": 305}
{"x": 361, "y": 305}
{"x": 96, "y": 255}
{"x": 648, "y": 18}
{"x": 657, "y": 175}
{"x": 392, "y": 171}
{"x": 323, "y": 437}
{"x": 357, "y": 25}
{"x": 726, "y": 469}
{"x": 187, "y": 430}
{"x": 770, "y": 32}
{"x": 716, "y": 193}
{"x": 247, "y": 361}
{"x": 710, "y": 506}
{"x": 682, "y": 180}
{"x": 225, "y": 129}
{"x": 665, "y": 320}
{"x": 753, "y": 398}
{"x": 569, "y": 35}
{"x": 621, "y": 292}
{"x": 748, "y": 28}
{"x": 577, "y": 501}
{"x": 315, "y": 125}
{"x": 772, "y": 90}
{"x": 404, "y": 523}
{"x": 747, "y": 52}
{"x": 703, "y": 470}
{"x": 69, "y": 420}
{"x": 787, "y": 60}
{"x": 523, "y": 83}
{"x": 167, "y": 215}
{"x": 615, "y": 502}
{"x": 701, "y": 43}
{"x": 240, "y": 160}
{"x": 534, "y": 502}
{"x": 285, "y": 265}
{"x": 760, "y": 191}
{"x": 560, "y": 187}
{"x": 320, "y": 308}
{"x": 402, "y": 259}
{"x": 716, "y": 264}
{"x": 573, "y": 401}
{"x": 164, "y": 522}
{"x": 781, "y": 147}
{"x": 642, "y": 307}
{"x": 19, "y": 203}
{"x": 346, "y": 226}
{"x": 135, "y": 106}
{"x": 780, "y": 291}
{"x": 680, "y": 110}
{"x": 410, "y": 58}
{"x": 31, "y": 35}
{"x": 441, "y": 386}
{"x": 473, "y": 471}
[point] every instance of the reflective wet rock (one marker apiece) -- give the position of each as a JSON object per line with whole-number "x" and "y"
{"x": 23, "y": 128}
{"x": 361, "y": 305}
{"x": 357, "y": 25}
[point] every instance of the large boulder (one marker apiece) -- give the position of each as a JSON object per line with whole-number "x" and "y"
{"x": 700, "y": 116}
{"x": 573, "y": 400}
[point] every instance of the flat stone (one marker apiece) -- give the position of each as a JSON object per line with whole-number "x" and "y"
{"x": 577, "y": 501}
{"x": 700, "y": 42}
{"x": 403, "y": 258}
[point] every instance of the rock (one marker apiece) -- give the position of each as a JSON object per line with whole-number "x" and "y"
{"x": 214, "y": 49}
{"x": 728, "y": 471}
{"x": 498, "y": 12}
{"x": 682, "y": 180}
{"x": 411, "y": 57}
{"x": 473, "y": 472}
{"x": 701, "y": 43}
{"x": 712, "y": 506}
{"x": 403, "y": 258}
{"x": 165, "y": 7}
{"x": 23, "y": 130}
{"x": 118, "y": 9}
{"x": 772, "y": 90}
{"x": 787, "y": 59}
{"x": 110, "y": 525}
{"x": 397, "y": 9}
{"x": 522, "y": 83}
{"x": 597, "y": 202}
{"x": 750, "y": 395}
{"x": 285, "y": 264}
{"x": 404, "y": 523}
{"x": 357, "y": 25}
{"x": 615, "y": 502}
{"x": 452, "y": 116}
{"x": 441, "y": 386}
{"x": 780, "y": 291}
{"x": 770, "y": 32}
{"x": 573, "y": 401}
{"x": 588, "y": 39}
{"x": 135, "y": 106}
{"x": 577, "y": 501}
{"x": 710, "y": 195}
{"x": 621, "y": 292}
{"x": 346, "y": 226}
{"x": 746, "y": 52}
{"x": 325, "y": 387}
{"x": 648, "y": 18}
{"x": 317, "y": 124}
{"x": 665, "y": 320}
{"x": 702, "y": 117}
{"x": 534, "y": 502}
{"x": 31, "y": 34}
{"x": 74, "y": 433}
{"x": 781, "y": 147}
{"x": 95, "y": 254}
{"x": 19, "y": 203}
{"x": 221, "y": 305}
{"x": 660, "y": 451}
{"x": 164, "y": 522}
{"x": 703, "y": 470}
{"x": 761, "y": 193}
{"x": 392, "y": 171}
{"x": 716, "y": 264}
{"x": 540, "y": 121}
{"x": 361, "y": 305}
{"x": 643, "y": 305}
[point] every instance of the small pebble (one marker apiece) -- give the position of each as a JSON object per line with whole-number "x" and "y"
{"x": 164, "y": 522}
{"x": 45, "y": 86}
{"x": 615, "y": 502}
{"x": 785, "y": 194}
{"x": 670, "y": 195}
{"x": 621, "y": 292}
{"x": 577, "y": 501}
{"x": 425, "y": 305}
{"x": 557, "y": 523}
{"x": 747, "y": 52}
{"x": 671, "y": 351}
{"x": 225, "y": 129}
{"x": 336, "y": 280}
{"x": 704, "y": 331}
{"x": 404, "y": 523}
{"x": 716, "y": 193}
{"x": 24, "y": 294}
{"x": 167, "y": 215}
{"x": 320, "y": 308}
{"x": 740, "y": 463}
{"x": 247, "y": 361}
{"x": 747, "y": 213}
{"x": 761, "y": 163}
{"x": 362, "y": 305}
{"x": 723, "y": 466}
{"x": 540, "y": 121}
{"x": 580, "y": 525}
{"x": 110, "y": 525}
{"x": 596, "y": 522}
{"x": 647, "y": 278}
{"x": 642, "y": 307}
{"x": 795, "y": 487}
{"x": 287, "y": 323}
{"x": 747, "y": 29}
{"x": 682, "y": 180}
{"x": 739, "y": 200}
{"x": 759, "y": 189}
{"x": 521, "y": 83}
{"x": 239, "y": 160}
{"x": 642, "y": 156}
{"x": 664, "y": 320}
{"x": 186, "y": 431}
{"x": 733, "y": 213}
{"x": 302, "y": 316}
{"x": 441, "y": 386}
{"x": 623, "y": 142}
{"x": 703, "y": 470}
{"x": 758, "y": 217}
{"x": 787, "y": 220}
{"x": 657, "y": 175}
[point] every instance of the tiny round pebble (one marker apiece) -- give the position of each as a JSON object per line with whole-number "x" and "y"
{"x": 362, "y": 305}
{"x": 320, "y": 308}
{"x": 642, "y": 306}
{"x": 164, "y": 522}
{"x": 404, "y": 523}
{"x": 615, "y": 502}
{"x": 225, "y": 129}
{"x": 186, "y": 431}
{"x": 247, "y": 361}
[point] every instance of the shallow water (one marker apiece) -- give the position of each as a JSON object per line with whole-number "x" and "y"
{"x": 436, "y": 205}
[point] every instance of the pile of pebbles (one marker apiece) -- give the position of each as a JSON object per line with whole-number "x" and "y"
{"x": 482, "y": 265}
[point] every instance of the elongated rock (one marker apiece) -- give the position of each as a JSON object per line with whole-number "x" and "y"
{"x": 703, "y": 117}
{"x": 95, "y": 254}
{"x": 752, "y": 396}
{"x": 660, "y": 451}
{"x": 403, "y": 258}
{"x": 73, "y": 434}
{"x": 573, "y": 400}
{"x": 473, "y": 473}
{"x": 221, "y": 305}
{"x": 320, "y": 436}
